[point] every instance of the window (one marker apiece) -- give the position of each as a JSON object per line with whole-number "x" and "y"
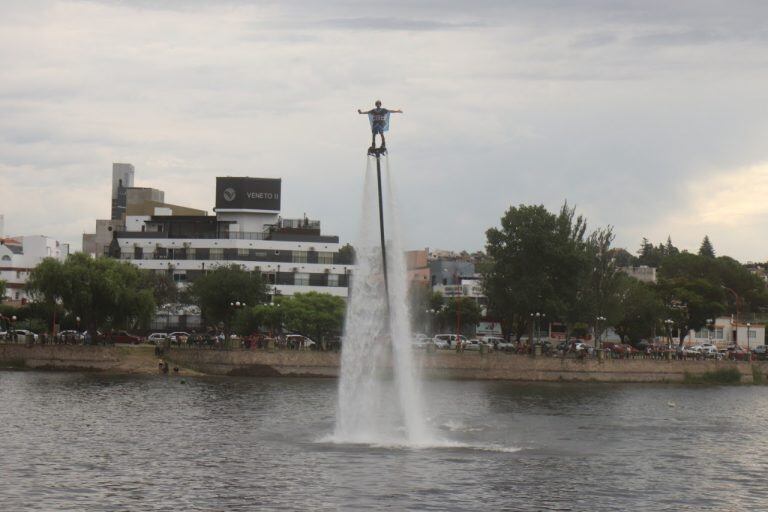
{"x": 126, "y": 255}
{"x": 719, "y": 333}
{"x": 299, "y": 256}
{"x": 6, "y": 258}
{"x": 191, "y": 254}
{"x": 216, "y": 253}
{"x": 752, "y": 334}
{"x": 242, "y": 254}
{"x": 301, "y": 279}
{"x": 333, "y": 279}
{"x": 325, "y": 258}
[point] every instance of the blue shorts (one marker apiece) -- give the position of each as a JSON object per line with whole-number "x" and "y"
{"x": 377, "y": 128}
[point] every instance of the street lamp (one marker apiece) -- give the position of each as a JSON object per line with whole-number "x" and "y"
{"x": 13, "y": 327}
{"x": 748, "y": 326}
{"x": 710, "y": 327}
{"x": 669, "y": 323}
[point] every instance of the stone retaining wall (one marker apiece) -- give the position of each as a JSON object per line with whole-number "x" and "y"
{"x": 439, "y": 365}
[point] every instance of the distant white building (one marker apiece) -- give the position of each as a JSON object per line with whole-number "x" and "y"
{"x": 727, "y": 331}
{"x": 19, "y": 255}
{"x": 641, "y": 273}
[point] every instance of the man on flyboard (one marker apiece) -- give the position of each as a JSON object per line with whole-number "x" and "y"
{"x": 379, "y": 119}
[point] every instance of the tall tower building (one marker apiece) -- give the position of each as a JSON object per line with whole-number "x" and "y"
{"x": 122, "y": 178}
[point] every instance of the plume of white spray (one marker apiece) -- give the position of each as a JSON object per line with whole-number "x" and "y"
{"x": 374, "y": 408}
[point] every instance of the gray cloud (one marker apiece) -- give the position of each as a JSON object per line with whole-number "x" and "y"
{"x": 391, "y": 23}
{"x": 623, "y": 108}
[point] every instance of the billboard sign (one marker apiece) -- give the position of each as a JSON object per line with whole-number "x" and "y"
{"x": 248, "y": 193}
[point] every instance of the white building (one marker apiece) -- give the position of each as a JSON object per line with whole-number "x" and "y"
{"x": 247, "y": 230}
{"x": 726, "y": 331}
{"x": 19, "y": 255}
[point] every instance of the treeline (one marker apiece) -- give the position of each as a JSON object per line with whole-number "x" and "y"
{"x": 107, "y": 294}
{"x": 548, "y": 263}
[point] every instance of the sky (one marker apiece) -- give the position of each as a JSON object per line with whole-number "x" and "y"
{"x": 650, "y": 116}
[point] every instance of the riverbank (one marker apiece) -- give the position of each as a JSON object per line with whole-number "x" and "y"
{"x": 438, "y": 365}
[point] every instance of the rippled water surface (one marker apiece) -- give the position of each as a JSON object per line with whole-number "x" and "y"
{"x": 73, "y": 441}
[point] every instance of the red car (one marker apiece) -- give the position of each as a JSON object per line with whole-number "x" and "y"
{"x": 123, "y": 337}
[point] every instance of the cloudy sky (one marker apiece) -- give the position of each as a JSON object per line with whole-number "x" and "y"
{"x": 651, "y": 116}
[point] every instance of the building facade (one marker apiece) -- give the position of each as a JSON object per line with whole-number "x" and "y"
{"x": 19, "y": 255}
{"x": 130, "y": 205}
{"x": 247, "y": 230}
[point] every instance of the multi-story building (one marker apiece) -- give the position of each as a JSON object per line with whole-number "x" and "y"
{"x": 19, "y": 255}
{"x": 247, "y": 230}
{"x": 130, "y": 205}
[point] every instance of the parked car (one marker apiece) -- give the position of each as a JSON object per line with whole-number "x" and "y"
{"x": 23, "y": 332}
{"x": 761, "y": 352}
{"x": 70, "y": 334}
{"x": 449, "y": 339}
{"x": 710, "y": 351}
{"x": 499, "y": 343}
{"x": 157, "y": 337}
{"x": 737, "y": 353}
{"x": 692, "y": 351}
{"x": 299, "y": 341}
{"x": 179, "y": 337}
{"x": 440, "y": 342}
{"x": 474, "y": 344}
{"x": 420, "y": 341}
{"x": 123, "y": 337}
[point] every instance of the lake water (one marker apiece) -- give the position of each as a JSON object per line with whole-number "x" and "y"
{"x": 72, "y": 441}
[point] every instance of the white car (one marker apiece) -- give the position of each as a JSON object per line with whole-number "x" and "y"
{"x": 179, "y": 337}
{"x": 299, "y": 341}
{"x": 474, "y": 344}
{"x": 447, "y": 340}
{"x": 694, "y": 350}
{"x": 156, "y": 337}
{"x": 70, "y": 333}
{"x": 24, "y": 332}
{"x": 499, "y": 343}
{"x": 420, "y": 341}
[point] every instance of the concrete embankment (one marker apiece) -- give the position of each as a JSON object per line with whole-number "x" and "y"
{"x": 470, "y": 366}
{"x": 78, "y": 358}
{"x": 440, "y": 365}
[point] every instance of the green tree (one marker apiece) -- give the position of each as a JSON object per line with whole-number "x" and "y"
{"x": 164, "y": 288}
{"x": 103, "y": 292}
{"x": 623, "y": 258}
{"x": 346, "y": 255}
{"x": 463, "y": 310}
{"x": 641, "y": 310}
{"x": 316, "y": 315}
{"x": 215, "y": 292}
{"x": 706, "y": 248}
{"x": 535, "y": 264}
{"x": 601, "y": 284}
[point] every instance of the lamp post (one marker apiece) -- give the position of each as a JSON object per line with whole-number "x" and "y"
{"x": 748, "y": 326}
{"x": 235, "y": 305}
{"x": 710, "y": 326}
{"x": 669, "y": 323}
{"x": 13, "y": 327}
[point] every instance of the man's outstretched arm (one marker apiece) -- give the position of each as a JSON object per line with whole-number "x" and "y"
{"x": 361, "y": 112}
{"x": 398, "y": 111}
